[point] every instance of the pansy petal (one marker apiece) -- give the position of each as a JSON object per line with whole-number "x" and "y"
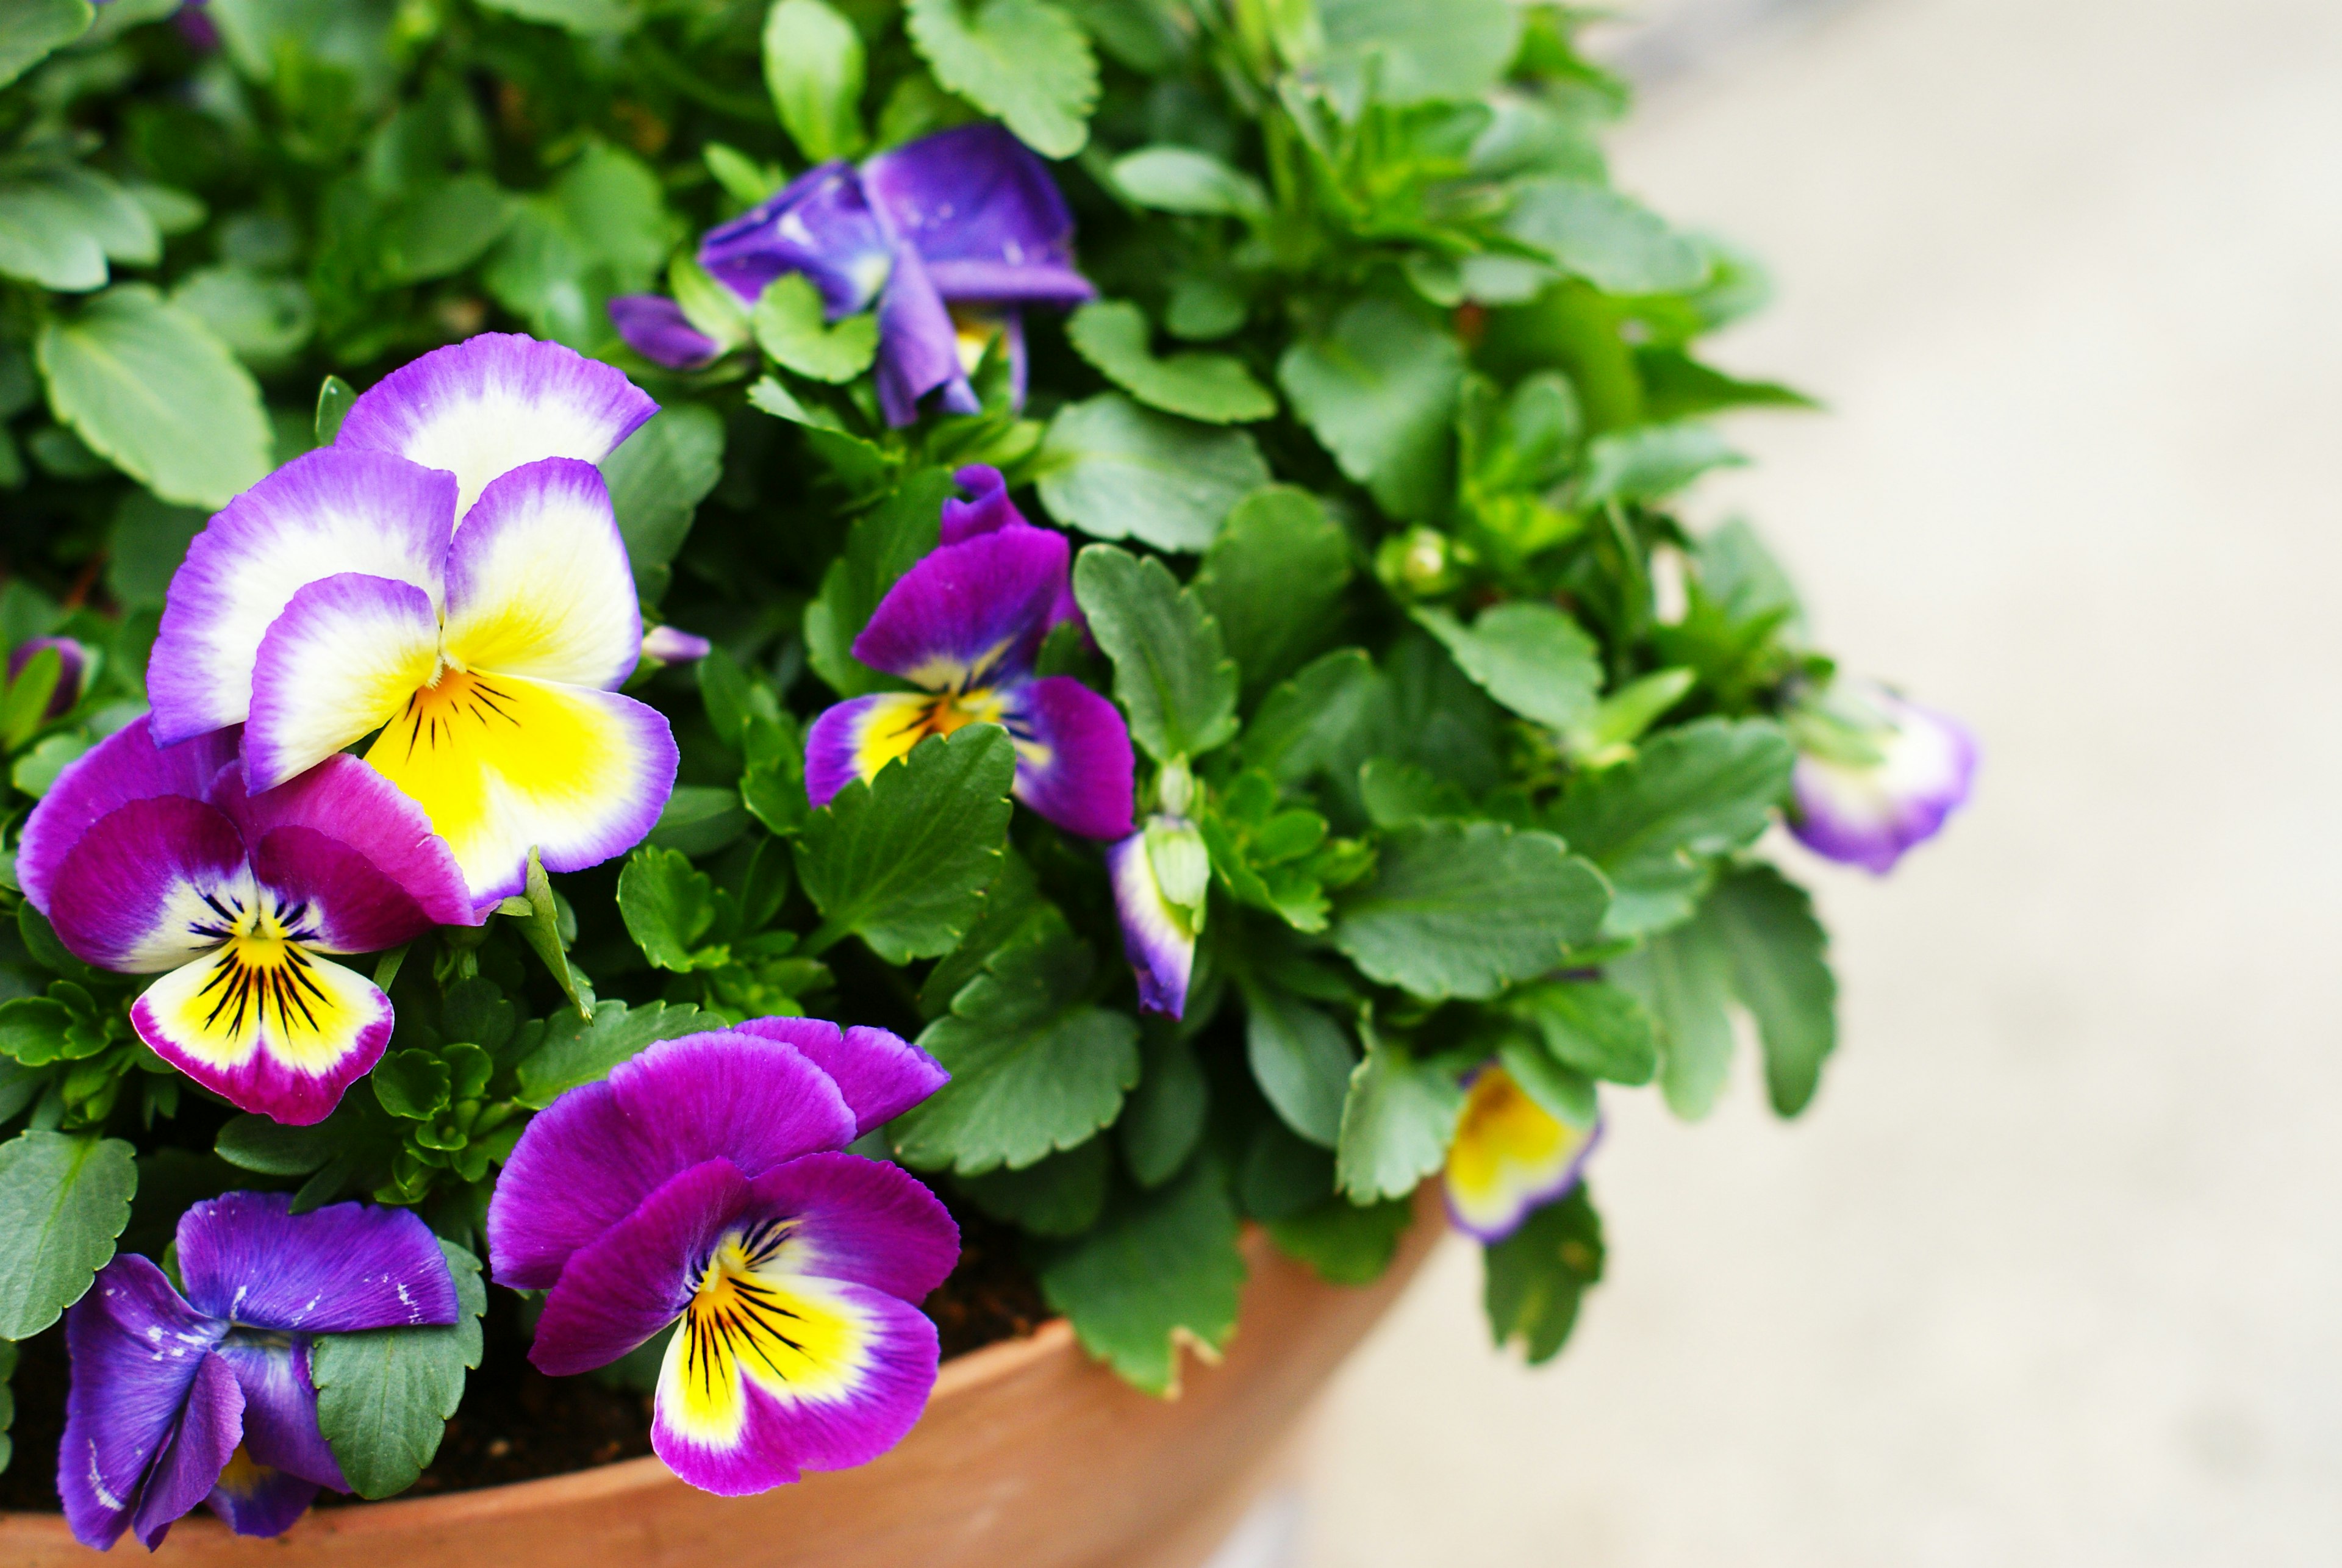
{"x": 1154, "y": 937}
{"x": 336, "y": 1270}
{"x": 126, "y": 765}
{"x": 596, "y": 1151}
{"x": 654, "y": 326}
{"x": 321, "y": 515}
{"x": 863, "y": 1220}
{"x": 1074, "y": 761}
{"x": 255, "y": 1499}
{"x": 1869, "y": 816}
{"x": 636, "y": 1277}
{"x": 348, "y": 842}
{"x": 135, "y": 1348}
{"x": 502, "y": 763}
{"x": 538, "y": 581}
{"x": 280, "y": 1412}
{"x": 983, "y": 213}
{"x": 266, "y": 1026}
{"x": 856, "y": 738}
{"x": 820, "y": 224}
{"x": 987, "y": 509}
{"x": 880, "y": 1074}
{"x": 191, "y": 1463}
{"x": 347, "y": 655}
{"x": 151, "y": 887}
{"x": 484, "y": 406}
{"x": 1510, "y": 1156}
{"x": 968, "y": 613}
{"x": 919, "y": 348}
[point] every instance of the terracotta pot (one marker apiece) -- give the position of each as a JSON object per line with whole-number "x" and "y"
{"x": 1029, "y": 1456}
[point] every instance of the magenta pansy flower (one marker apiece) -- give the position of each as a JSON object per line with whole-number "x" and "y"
{"x": 705, "y": 1184}
{"x": 179, "y": 1399}
{"x": 1511, "y": 1156}
{"x": 964, "y": 626}
{"x": 447, "y": 576}
{"x": 1869, "y": 811}
{"x": 73, "y": 668}
{"x": 951, "y": 235}
{"x": 150, "y": 860}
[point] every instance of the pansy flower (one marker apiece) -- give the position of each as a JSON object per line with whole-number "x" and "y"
{"x": 148, "y": 859}
{"x": 449, "y": 572}
{"x": 1510, "y": 1156}
{"x": 180, "y": 1399}
{"x": 963, "y": 626}
{"x": 951, "y": 236}
{"x": 1869, "y": 803}
{"x": 73, "y": 668}
{"x": 705, "y": 1184}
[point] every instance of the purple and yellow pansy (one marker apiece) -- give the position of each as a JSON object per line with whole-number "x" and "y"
{"x": 705, "y": 1186}
{"x": 1510, "y": 1156}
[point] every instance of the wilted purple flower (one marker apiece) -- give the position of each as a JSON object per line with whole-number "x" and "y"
{"x": 1868, "y": 812}
{"x": 73, "y": 661}
{"x": 705, "y": 1184}
{"x": 951, "y": 236}
{"x": 1510, "y": 1156}
{"x": 180, "y": 1400}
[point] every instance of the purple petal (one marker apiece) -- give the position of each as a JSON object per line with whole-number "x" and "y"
{"x": 654, "y": 326}
{"x": 125, "y": 767}
{"x": 1074, "y": 761}
{"x": 674, "y": 645}
{"x": 199, "y": 1452}
{"x": 988, "y": 510}
{"x": 820, "y": 224}
{"x": 538, "y": 584}
{"x": 1510, "y": 1157}
{"x": 919, "y": 348}
{"x": 72, "y": 663}
{"x": 1870, "y": 815}
{"x": 135, "y": 1349}
{"x": 347, "y": 655}
{"x": 253, "y": 1499}
{"x": 343, "y": 839}
{"x": 323, "y": 513}
{"x": 636, "y": 1277}
{"x": 969, "y": 614}
{"x": 983, "y": 213}
{"x": 880, "y": 1074}
{"x": 280, "y": 1413}
{"x": 1154, "y": 935}
{"x": 854, "y": 739}
{"x": 861, "y": 1221}
{"x": 267, "y": 1027}
{"x": 248, "y": 1257}
{"x": 136, "y": 895}
{"x": 596, "y": 1152}
{"x": 484, "y": 406}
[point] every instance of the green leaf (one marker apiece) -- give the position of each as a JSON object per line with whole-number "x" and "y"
{"x": 60, "y": 223}
{"x": 884, "y": 543}
{"x": 445, "y": 227}
{"x": 412, "y": 1085}
{"x": 1780, "y": 971}
{"x": 31, "y": 29}
{"x": 1174, "y": 179}
{"x": 1417, "y": 50}
{"x": 600, "y": 229}
{"x": 157, "y": 395}
{"x": 902, "y": 861}
{"x": 700, "y": 819}
{"x": 814, "y": 69}
{"x": 1678, "y": 386}
{"x": 38, "y": 769}
{"x": 335, "y": 397}
{"x": 1024, "y": 61}
{"x": 149, "y": 540}
{"x": 862, "y": 467}
{"x": 1600, "y": 1030}
{"x": 1114, "y": 336}
{"x": 540, "y": 927}
{"x": 1034, "y": 1066}
{"x": 1655, "y": 823}
{"x": 1528, "y": 656}
{"x": 790, "y": 325}
{"x": 1160, "y": 1268}
{"x": 1166, "y": 1115}
{"x": 567, "y": 1050}
{"x": 1274, "y": 580}
{"x": 37, "y": 1032}
{"x": 1115, "y": 471}
{"x": 25, "y": 704}
{"x": 1651, "y": 461}
{"x": 1301, "y": 1059}
{"x": 257, "y": 1142}
{"x": 1615, "y": 243}
{"x": 64, "y": 1198}
{"x": 1539, "y": 1273}
{"x": 265, "y": 321}
{"x": 383, "y": 1396}
{"x": 1170, "y": 672}
{"x": 1345, "y": 1244}
{"x": 1396, "y": 1123}
{"x": 657, "y": 478}
{"x": 1562, "y": 1093}
{"x": 592, "y": 18}
{"x": 667, "y": 906}
{"x": 1685, "y": 977}
{"x": 1061, "y": 1196}
{"x": 1466, "y": 909}
{"x": 1011, "y": 898}
{"x": 1380, "y": 392}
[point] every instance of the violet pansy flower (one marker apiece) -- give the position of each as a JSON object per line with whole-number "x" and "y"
{"x": 180, "y": 1399}
{"x": 148, "y": 859}
{"x": 964, "y": 626}
{"x": 705, "y": 1184}
{"x": 73, "y": 668}
{"x": 950, "y": 237}
{"x": 1510, "y": 1157}
{"x": 448, "y": 573}
{"x": 1868, "y": 808}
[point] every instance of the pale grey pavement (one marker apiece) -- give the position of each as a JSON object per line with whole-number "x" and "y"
{"x": 2052, "y": 1273}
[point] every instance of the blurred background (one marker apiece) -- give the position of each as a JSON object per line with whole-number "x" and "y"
{"x": 2049, "y": 1274}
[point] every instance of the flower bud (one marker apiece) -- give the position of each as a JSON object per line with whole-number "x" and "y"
{"x": 1876, "y": 776}
{"x": 73, "y": 665}
{"x": 672, "y": 645}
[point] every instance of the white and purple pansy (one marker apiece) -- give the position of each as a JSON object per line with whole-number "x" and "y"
{"x": 964, "y": 626}
{"x": 1510, "y": 1157}
{"x": 181, "y": 1399}
{"x": 449, "y": 574}
{"x": 705, "y": 1186}
{"x": 1869, "y": 802}
{"x": 950, "y": 235}
{"x": 150, "y": 859}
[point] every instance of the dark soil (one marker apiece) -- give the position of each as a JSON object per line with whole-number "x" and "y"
{"x": 516, "y": 1423}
